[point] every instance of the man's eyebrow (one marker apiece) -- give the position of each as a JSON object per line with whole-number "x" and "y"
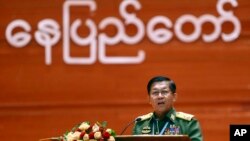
{"x": 160, "y": 89}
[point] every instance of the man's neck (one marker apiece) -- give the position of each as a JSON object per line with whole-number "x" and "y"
{"x": 161, "y": 115}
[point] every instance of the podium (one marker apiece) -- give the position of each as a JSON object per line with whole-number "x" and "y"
{"x": 152, "y": 138}
{"x": 140, "y": 138}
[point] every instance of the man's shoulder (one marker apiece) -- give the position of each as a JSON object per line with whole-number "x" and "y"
{"x": 145, "y": 117}
{"x": 184, "y": 116}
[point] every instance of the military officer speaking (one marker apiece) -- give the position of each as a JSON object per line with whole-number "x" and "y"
{"x": 164, "y": 120}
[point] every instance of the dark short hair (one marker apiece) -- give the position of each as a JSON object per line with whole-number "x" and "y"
{"x": 172, "y": 85}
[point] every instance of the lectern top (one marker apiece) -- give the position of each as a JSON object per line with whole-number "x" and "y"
{"x": 152, "y": 138}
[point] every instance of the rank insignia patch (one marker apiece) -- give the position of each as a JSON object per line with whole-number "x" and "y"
{"x": 146, "y": 130}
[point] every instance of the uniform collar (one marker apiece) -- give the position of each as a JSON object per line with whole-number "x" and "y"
{"x": 171, "y": 115}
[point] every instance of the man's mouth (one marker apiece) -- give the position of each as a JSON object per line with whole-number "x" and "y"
{"x": 161, "y": 103}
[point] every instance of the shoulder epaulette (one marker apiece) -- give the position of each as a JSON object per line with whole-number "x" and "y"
{"x": 147, "y": 116}
{"x": 184, "y": 116}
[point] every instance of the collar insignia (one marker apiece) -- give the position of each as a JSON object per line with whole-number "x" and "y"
{"x": 172, "y": 117}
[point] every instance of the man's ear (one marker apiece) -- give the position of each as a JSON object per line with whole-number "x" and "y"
{"x": 175, "y": 97}
{"x": 149, "y": 100}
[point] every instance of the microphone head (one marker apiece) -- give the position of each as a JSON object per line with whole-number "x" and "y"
{"x": 138, "y": 119}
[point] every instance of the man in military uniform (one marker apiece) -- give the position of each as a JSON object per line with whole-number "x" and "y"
{"x": 165, "y": 120}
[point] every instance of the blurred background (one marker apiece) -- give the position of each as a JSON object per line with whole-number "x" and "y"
{"x": 40, "y": 100}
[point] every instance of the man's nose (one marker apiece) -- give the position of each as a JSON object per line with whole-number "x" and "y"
{"x": 160, "y": 94}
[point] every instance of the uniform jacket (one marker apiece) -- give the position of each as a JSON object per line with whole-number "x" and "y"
{"x": 174, "y": 123}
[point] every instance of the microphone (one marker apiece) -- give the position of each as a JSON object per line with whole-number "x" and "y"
{"x": 52, "y": 139}
{"x": 136, "y": 120}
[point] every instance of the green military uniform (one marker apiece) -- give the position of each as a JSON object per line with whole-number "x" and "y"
{"x": 174, "y": 123}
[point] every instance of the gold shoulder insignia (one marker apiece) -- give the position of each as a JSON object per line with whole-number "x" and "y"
{"x": 184, "y": 116}
{"x": 147, "y": 116}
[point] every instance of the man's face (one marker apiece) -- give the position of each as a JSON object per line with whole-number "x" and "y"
{"x": 161, "y": 98}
